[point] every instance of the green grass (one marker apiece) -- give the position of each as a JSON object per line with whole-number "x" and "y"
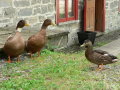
{"x": 55, "y": 71}
{"x": 99, "y": 44}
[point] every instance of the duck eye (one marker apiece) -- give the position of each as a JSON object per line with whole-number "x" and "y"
{"x": 86, "y": 46}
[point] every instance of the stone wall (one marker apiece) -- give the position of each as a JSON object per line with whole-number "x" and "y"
{"x": 112, "y": 15}
{"x": 35, "y": 11}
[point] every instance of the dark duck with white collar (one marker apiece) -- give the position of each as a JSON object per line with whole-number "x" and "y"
{"x": 98, "y": 57}
{"x": 36, "y": 42}
{"x": 15, "y": 44}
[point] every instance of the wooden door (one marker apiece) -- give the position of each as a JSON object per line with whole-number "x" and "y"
{"x": 100, "y": 15}
{"x": 89, "y": 15}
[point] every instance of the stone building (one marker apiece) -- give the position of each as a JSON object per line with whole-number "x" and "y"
{"x": 69, "y": 15}
{"x": 112, "y": 15}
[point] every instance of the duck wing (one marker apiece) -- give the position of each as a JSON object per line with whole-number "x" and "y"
{"x": 10, "y": 36}
{"x": 34, "y": 43}
{"x": 105, "y": 53}
{"x": 32, "y": 37}
{"x": 101, "y": 52}
{"x": 14, "y": 45}
{"x": 29, "y": 42}
{"x": 104, "y": 57}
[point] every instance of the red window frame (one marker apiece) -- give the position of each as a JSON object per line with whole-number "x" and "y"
{"x": 75, "y": 17}
{"x": 119, "y": 6}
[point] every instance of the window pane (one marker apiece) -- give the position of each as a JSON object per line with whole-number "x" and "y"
{"x": 62, "y": 8}
{"x": 70, "y": 8}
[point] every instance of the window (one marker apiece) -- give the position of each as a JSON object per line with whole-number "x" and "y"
{"x": 67, "y": 10}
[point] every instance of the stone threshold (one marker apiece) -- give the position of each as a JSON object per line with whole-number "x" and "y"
{"x": 54, "y": 36}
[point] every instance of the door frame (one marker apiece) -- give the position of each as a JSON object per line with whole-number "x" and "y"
{"x": 103, "y": 21}
{"x": 104, "y": 12}
{"x": 84, "y": 15}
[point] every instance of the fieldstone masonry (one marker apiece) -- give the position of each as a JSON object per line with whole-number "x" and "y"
{"x": 13, "y": 10}
{"x": 112, "y": 15}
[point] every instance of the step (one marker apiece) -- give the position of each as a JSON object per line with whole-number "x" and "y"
{"x": 56, "y": 38}
{"x": 112, "y": 47}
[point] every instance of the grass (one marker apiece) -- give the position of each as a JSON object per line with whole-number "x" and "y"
{"x": 56, "y": 71}
{"x": 99, "y": 44}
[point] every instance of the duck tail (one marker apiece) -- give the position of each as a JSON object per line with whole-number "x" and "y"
{"x": 114, "y": 60}
{"x": 112, "y": 56}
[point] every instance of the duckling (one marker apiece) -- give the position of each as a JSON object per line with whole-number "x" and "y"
{"x": 15, "y": 44}
{"x": 98, "y": 57}
{"x": 36, "y": 42}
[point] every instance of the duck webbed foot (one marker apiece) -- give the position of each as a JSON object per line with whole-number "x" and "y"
{"x": 18, "y": 58}
{"x": 32, "y": 56}
{"x": 9, "y": 60}
{"x": 100, "y": 67}
{"x": 39, "y": 53}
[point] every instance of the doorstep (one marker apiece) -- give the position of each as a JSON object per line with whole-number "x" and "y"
{"x": 56, "y": 38}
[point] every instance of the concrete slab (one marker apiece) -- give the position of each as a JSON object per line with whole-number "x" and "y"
{"x": 54, "y": 36}
{"x": 112, "y": 47}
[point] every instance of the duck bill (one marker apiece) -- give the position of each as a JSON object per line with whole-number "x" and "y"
{"x": 53, "y": 24}
{"x": 27, "y": 24}
{"x": 82, "y": 45}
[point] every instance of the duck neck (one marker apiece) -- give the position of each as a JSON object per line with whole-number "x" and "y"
{"x": 44, "y": 26}
{"x": 43, "y": 32}
{"x": 19, "y": 29}
{"x": 89, "y": 49}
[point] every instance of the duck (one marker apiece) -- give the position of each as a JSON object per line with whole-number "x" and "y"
{"x": 15, "y": 43}
{"x": 36, "y": 42}
{"x": 98, "y": 57}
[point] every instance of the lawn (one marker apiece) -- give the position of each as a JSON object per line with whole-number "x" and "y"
{"x": 59, "y": 71}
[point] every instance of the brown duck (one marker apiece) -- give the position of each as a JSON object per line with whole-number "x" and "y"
{"x": 36, "y": 42}
{"x": 15, "y": 44}
{"x": 98, "y": 57}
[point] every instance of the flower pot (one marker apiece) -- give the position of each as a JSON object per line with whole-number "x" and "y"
{"x": 82, "y": 36}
